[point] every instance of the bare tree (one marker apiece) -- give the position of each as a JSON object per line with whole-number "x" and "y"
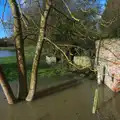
{"x": 19, "y": 44}
{"x": 39, "y": 46}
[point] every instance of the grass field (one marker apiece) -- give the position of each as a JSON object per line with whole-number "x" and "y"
{"x": 7, "y": 48}
{"x": 9, "y": 65}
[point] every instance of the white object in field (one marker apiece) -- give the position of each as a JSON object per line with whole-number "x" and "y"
{"x": 83, "y": 61}
{"x": 50, "y": 60}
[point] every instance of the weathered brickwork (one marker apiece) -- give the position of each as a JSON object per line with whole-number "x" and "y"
{"x": 107, "y": 63}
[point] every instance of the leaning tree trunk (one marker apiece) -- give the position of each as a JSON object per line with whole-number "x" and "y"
{"x": 6, "y": 88}
{"x": 19, "y": 44}
{"x": 39, "y": 46}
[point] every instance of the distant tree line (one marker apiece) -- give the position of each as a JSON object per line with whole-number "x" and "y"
{"x": 6, "y": 42}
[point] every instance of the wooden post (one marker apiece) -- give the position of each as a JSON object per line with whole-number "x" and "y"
{"x": 95, "y": 102}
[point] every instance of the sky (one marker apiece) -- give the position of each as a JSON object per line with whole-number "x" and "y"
{"x": 7, "y": 14}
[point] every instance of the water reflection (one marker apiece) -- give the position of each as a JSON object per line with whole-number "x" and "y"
{"x": 6, "y": 53}
{"x": 109, "y": 105}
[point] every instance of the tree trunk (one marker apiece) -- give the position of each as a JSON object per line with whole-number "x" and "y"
{"x": 19, "y": 44}
{"x": 39, "y": 46}
{"x": 6, "y": 88}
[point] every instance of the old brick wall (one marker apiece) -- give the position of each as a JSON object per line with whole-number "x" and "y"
{"x": 108, "y": 62}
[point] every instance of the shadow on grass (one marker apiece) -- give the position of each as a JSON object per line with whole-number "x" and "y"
{"x": 11, "y": 70}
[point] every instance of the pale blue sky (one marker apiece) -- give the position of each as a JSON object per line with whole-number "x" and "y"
{"x": 7, "y": 14}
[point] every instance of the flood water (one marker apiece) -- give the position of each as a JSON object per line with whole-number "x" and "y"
{"x": 6, "y": 53}
{"x": 72, "y": 104}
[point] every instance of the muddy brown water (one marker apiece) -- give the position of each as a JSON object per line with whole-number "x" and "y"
{"x": 71, "y": 104}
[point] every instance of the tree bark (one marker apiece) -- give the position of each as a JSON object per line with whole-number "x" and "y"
{"x": 6, "y": 88}
{"x": 39, "y": 46}
{"x": 19, "y": 44}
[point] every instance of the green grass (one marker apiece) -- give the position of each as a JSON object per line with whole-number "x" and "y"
{"x": 10, "y": 68}
{"x": 9, "y": 65}
{"x": 7, "y": 48}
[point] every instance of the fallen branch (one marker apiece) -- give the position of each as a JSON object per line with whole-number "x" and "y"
{"x": 67, "y": 59}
